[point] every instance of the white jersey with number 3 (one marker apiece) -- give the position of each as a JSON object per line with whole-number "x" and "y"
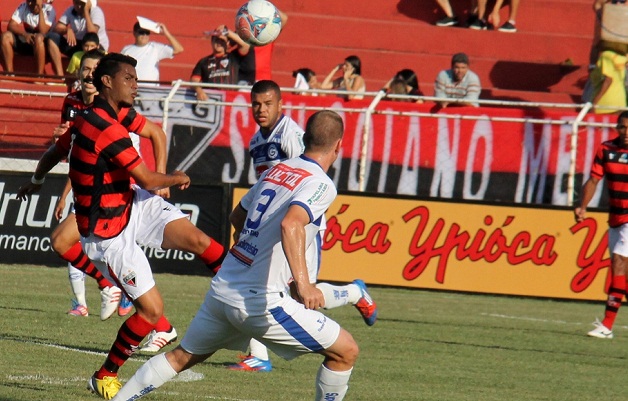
{"x": 256, "y": 270}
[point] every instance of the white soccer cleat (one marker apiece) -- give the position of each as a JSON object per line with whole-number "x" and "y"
{"x": 158, "y": 340}
{"x": 110, "y": 299}
{"x": 600, "y": 331}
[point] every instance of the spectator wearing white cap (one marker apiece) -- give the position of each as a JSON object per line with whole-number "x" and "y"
{"x": 149, "y": 53}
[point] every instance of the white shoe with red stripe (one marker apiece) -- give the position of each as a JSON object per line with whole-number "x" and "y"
{"x": 109, "y": 301}
{"x": 158, "y": 340}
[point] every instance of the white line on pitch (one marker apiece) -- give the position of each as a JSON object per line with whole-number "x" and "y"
{"x": 533, "y": 319}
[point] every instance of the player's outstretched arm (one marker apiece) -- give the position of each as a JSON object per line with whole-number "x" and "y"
{"x": 50, "y": 158}
{"x": 152, "y": 181}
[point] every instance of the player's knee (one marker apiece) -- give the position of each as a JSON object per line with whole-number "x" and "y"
{"x": 59, "y": 242}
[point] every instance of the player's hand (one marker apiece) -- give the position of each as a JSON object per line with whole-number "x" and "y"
{"x": 59, "y": 208}
{"x": 184, "y": 180}
{"x": 579, "y": 214}
{"x": 310, "y": 296}
{"x": 88, "y": 7}
{"x": 27, "y": 190}
{"x": 164, "y": 193}
{"x": 60, "y": 130}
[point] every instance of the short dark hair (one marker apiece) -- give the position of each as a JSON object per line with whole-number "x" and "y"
{"x": 322, "y": 130}
{"x": 91, "y": 37}
{"x": 623, "y": 114}
{"x": 264, "y": 86}
{"x": 409, "y": 77}
{"x": 110, "y": 65}
{"x": 306, "y": 72}
{"x": 94, "y": 54}
{"x": 460, "y": 58}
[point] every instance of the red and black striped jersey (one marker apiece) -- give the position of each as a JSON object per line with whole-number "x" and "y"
{"x": 611, "y": 161}
{"x": 101, "y": 158}
{"x": 72, "y": 105}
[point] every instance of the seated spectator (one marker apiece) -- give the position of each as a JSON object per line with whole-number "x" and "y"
{"x": 350, "y": 80}
{"x": 607, "y": 78}
{"x": 222, "y": 66}
{"x": 450, "y": 18}
{"x": 67, "y": 35}
{"x": 405, "y": 82}
{"x": 149, "y": 53}
{"x": 458, "y": 82}
{"x": 25, "y": 33}
{"x": 90, "y": 42}
{"x": 482, "y": 22}
{"x": 305, "y": 78}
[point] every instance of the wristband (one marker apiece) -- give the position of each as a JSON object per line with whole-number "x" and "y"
{"x": 36, "y": 181}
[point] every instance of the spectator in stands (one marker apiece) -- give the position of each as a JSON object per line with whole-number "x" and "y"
{"x": 459, "y": 83}
{"x": 148, "y": 53}
{"x": 67, "y": 35}
{"x": 450, "y": 18}
{"x": 90, "y": 42}
{"x": 405, "y": 82}
{"x": 351, "y": 79}
{"x": 607, "y": 78}
{"x": 305, "y": 78}
{"x": 25, "y": 33}
{"x": 222, "y": 66}
{"x": 482, "y": 22}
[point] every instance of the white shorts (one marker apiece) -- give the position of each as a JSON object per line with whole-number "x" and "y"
{"x": 121, "y": 259}
{"x": 618, "y": 240}
{"x": 288, "y": 329}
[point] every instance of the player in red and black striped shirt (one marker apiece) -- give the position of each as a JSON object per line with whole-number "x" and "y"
{"x": 115, "y": 219}
{"x": 611, "y": 162}
{"x": 65, "y": 237}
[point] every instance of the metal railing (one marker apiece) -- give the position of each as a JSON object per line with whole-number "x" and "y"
{"x": 576, "y": 124}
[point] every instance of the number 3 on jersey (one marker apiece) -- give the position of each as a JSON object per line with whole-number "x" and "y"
{"x": 260, "y": 209}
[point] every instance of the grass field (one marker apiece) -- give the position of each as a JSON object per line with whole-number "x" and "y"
{"x": 425, "y": 346}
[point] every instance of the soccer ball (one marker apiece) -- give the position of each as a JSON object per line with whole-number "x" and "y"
{"x": 258, "y": 22}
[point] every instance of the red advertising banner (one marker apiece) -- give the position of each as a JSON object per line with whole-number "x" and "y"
{"x": 448, "y": 157}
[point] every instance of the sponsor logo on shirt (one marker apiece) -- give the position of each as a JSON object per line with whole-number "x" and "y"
{"x": 286, "y": 176}
{"x": 318, "y": 194}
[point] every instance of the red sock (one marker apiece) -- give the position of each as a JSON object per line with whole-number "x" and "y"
{"x": 615, "y": 295}
{"x": 78, "y": 259}
{"x": 213, "y": 256}
{"x": 131, "y": 333}
{"x": 163, "y": 325}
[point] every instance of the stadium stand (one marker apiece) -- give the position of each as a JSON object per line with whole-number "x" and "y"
{"x": 546, "y": 60}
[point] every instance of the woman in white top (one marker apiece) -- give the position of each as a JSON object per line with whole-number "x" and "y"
{"x": 351, "y": 80}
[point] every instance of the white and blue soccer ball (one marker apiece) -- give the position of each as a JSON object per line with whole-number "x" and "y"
{"x": 258, "y": 22}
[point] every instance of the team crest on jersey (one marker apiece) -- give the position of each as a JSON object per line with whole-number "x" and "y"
{"x": 273, "y": 152}
{"x": 129, "y": 279}
{"x": 623, "y": 158}
{"x": 224, "y": 63}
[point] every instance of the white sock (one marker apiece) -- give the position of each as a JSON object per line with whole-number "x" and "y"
{"x": 331, "y": 385}
{"x": 339, "y": 295}
{"x": 148, "y": 377}
{"x": 77, "y": 282}
{"x": 258, "y": 349}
